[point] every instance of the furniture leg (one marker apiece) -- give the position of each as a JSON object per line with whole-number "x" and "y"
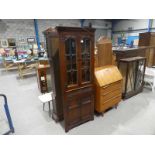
{"x": 126, "y": 81}
{"x": 116, "y": 106}
{"x": 49, "y": 109}
{"x": 102, "y": 114}
{"x": 43, "y": 106}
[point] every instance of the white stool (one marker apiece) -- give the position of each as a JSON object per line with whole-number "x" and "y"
{"x": 150, "y": 77}
{"x": 46, "y": 98}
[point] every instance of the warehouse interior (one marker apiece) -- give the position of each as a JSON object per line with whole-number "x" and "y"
{"x": 77, "y": 76}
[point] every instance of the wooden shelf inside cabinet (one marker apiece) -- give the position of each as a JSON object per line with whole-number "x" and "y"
{"x": 68, "y": 48}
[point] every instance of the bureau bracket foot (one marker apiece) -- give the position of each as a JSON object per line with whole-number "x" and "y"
{"x": 102, "y": 114}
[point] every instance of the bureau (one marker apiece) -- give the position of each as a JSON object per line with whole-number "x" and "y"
{"x": 108, "y": 87}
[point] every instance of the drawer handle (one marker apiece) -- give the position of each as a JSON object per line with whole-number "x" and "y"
{"x": 105, "y": 86}
{"x": 112, "y": 98}
{"x": 111, "y": 92}
{"x": 73, "y": 107}
{"x": 86, "y": 102}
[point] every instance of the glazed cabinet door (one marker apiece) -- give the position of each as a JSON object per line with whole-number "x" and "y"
{"x": 86, "y": 57}
{"x": 69, "y": 45}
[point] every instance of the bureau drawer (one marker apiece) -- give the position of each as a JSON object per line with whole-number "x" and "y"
{"x": 111, "y": 87}
{"x": 109, "y": 95}
{"x": 110, "y": 103}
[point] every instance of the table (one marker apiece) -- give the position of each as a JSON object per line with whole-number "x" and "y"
{"x": 121, "y": 53}
{"x": 25, "y": 66}
{"x": 8, "y": 63}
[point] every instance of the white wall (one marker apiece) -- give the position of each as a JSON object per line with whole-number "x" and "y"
{"x": 137, "y": 25}
{"x": 134, "y": 23}
{"x": 24, "y": 28}
{"x": 16, "y": 28}
{"x": 101, "y": 26}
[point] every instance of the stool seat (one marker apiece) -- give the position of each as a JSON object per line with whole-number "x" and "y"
{"x": 46, "y": 97}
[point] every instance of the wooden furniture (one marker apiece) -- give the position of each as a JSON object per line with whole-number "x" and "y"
{"x": 42, "y": 78}
{"x": 8, "y": 63}
{"x": 95, "y": 58}
{"x": 148, "y": 39}
{"x": 71, "y": 54}
{"x": 104, "y": 52}
{"x": 43, "y": 61}
{"x": 26, "y": 67}
{"x": 132, "y": 70}
{"x": 121, "y": 53}
{"x": 108, "y": 81}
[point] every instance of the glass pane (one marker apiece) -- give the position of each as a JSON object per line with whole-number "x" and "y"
{"x": 70, "y": 49}
{"x": 85, "y": 75}
{"x": 85, "y": 52}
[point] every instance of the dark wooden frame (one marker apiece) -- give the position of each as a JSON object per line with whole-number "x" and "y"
{"x": 127, "y": 62}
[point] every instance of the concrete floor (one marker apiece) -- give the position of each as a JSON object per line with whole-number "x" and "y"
{"x": 133, "y": 116}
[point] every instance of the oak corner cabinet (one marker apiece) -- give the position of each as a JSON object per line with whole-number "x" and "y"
{"x": 71, "y": 55}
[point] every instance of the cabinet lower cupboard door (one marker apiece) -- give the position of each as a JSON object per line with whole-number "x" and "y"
{"x": 73, "y": 112}
{"x": 86, "y": 109}
{"x": 79, "y": 110}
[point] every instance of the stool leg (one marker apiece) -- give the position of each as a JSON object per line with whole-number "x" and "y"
{"x": 43, "y": 106}
{"x": 49, "y": 109}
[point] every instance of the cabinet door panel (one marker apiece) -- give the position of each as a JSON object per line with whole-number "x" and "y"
{"x": 79, "y": 106}
{"x": 86, "y": 108}
{"x": 86, "y": 58}
{"x": 70, "y": 61}
{"x": 73, "y": 111}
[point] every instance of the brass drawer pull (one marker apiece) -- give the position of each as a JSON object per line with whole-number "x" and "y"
{"x": 112, "y": 98}
{"x": 86, "y": 102}
{"x": 105, "y": 86}
{"x": 73, "y": 107}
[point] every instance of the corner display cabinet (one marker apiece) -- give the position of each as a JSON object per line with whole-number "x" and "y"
{"x": 71, "y": 54}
